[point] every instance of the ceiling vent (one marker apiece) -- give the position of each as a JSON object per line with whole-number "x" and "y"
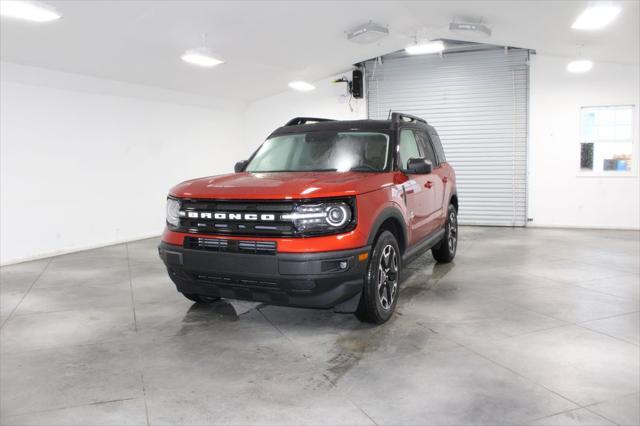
{"x": 368, "y": 33}
{"x": 472, "y": 29}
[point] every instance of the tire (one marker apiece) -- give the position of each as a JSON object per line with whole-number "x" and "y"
{"x": 445, "y": 251}
{"x": 201, "y": 299}
{"x": 382, "y": 281}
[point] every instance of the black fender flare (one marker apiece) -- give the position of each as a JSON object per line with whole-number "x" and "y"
{"x": 454, "y": 193}
{"x": 387, "y": 213}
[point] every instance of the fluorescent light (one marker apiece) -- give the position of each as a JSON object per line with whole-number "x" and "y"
{"x": 201, "y": 57}
{"x": 579, "y": 65}
{"x": 301, "y": 86}
{"x": 596, "y": 16}
{"x": 28, "y": 10}
{"x": 425, "y": 48}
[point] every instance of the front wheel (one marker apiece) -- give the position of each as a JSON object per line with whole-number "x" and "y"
{"x": 381, "y": 287}
{"x": 445, "y": 251}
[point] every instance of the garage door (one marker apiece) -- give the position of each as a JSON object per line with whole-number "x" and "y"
{"x": 477, "y": 100}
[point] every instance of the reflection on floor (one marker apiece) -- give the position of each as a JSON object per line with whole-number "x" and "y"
{"x": 528, "y": 326}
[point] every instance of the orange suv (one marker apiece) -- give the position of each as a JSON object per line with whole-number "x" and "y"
{"x": 323, "y": 215}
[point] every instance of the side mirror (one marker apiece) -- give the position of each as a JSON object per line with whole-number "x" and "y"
{"x": 240, "y": 166}
{"x": 419, "y": 166}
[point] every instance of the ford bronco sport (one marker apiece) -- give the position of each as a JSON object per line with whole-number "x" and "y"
{"x": 323, "y": 215}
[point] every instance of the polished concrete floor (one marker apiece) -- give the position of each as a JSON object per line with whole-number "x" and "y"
{"x": 528, "y": 326}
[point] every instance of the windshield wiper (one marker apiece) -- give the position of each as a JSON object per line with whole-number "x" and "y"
{"x": 363, "y": 168}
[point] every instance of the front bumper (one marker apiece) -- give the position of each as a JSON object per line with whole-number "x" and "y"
{"x": 315, "y": 280}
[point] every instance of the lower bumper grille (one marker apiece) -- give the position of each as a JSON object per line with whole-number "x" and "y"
{"x": 231, "y": 246}
{"x": 236, "y": 281}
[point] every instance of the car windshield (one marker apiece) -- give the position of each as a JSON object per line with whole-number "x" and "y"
{"x": 322, "y": 151}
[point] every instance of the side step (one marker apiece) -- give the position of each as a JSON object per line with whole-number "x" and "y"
{"x": 424, "y": 245}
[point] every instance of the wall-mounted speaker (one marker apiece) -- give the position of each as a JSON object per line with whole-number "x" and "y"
{"x": 356, "y": 84}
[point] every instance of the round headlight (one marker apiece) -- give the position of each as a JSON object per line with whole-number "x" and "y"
{"x": 323, "y": 217}
{"x": 173, "y": 212}
{"x": 337, "y": 215}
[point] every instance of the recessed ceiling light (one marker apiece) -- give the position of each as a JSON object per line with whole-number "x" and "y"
{"x": 301, "y": 86}
{"x": 596, "y": 16}
{"x": 579, "y": 66}
{"x": 28, "y": 10}
{"x": 202, "y": 57}
{"x": 425, "y": 48}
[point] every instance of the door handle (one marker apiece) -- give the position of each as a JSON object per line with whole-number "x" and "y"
{"x": 429, "y": 184}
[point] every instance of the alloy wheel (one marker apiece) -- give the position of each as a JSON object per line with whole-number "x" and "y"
{"x": 388, "y": 277}
{"x": 453, "y": 231}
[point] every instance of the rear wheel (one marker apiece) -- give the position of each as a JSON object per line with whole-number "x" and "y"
{"x": 201, "y": 299}
{"x": 381, "y": 287}
{"x": 445, "y": 251}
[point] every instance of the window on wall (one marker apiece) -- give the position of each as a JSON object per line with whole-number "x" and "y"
{"x": 606, "y": 144}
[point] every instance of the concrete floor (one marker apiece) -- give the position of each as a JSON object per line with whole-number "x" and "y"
{"x": 529, "y": 326}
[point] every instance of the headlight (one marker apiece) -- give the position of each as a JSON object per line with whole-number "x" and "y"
{"x": 173, "y": 212}
{"x": 321, "y": 217}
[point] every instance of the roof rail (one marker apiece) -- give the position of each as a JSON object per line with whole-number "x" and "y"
{"x": 399, "y": 116}
{"x": 305, "y": 120}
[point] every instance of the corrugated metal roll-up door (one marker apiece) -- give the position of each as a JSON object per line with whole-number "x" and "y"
{"x": 477, "y": 101}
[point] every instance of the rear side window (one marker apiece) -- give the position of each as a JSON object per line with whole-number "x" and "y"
{"x": 437, "y": 144}
{"x": 408, "y": 148}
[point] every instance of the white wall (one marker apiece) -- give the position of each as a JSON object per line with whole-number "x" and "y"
{"x": 88, "y": 162}
{"x": 558, "y": 195}
{"x": 326, "y": 101}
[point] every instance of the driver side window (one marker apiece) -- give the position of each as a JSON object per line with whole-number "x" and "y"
{"x": 429, "y": 153}
{"x": 408, "y": 148}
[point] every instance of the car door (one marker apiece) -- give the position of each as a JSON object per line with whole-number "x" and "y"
{"x": 435, "y": 180}
{"x": 414, "y": 189}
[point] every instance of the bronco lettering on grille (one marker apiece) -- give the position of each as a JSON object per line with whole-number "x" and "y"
{"x": 228, "y": 216}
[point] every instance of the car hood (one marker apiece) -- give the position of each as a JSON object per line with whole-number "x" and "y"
{"x": 282, "y": 185}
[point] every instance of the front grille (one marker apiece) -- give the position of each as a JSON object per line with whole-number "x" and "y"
{"x": 231, "y": 246}
{"x": 236, "y": 218}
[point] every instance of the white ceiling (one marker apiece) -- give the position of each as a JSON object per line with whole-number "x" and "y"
{"x": 267, "y": 44}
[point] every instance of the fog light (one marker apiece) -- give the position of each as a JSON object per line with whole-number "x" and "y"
{"x": 343, "y": 264}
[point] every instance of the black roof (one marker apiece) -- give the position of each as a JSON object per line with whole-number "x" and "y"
{"x": 309, "y": 124}
{"x": 335, "y": 125}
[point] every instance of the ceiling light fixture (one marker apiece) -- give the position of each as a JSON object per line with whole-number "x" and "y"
{"x": 28, "y": 10}
{"x": 201, "y": 56}
{"x": 301, "y": 86}
{"x": 596, "y": 16}
{"x": 469, "y": 28}
{"x": 367, "y": 33}
{"x": 425, "y": 48}
{"x": 579, "y": 66}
